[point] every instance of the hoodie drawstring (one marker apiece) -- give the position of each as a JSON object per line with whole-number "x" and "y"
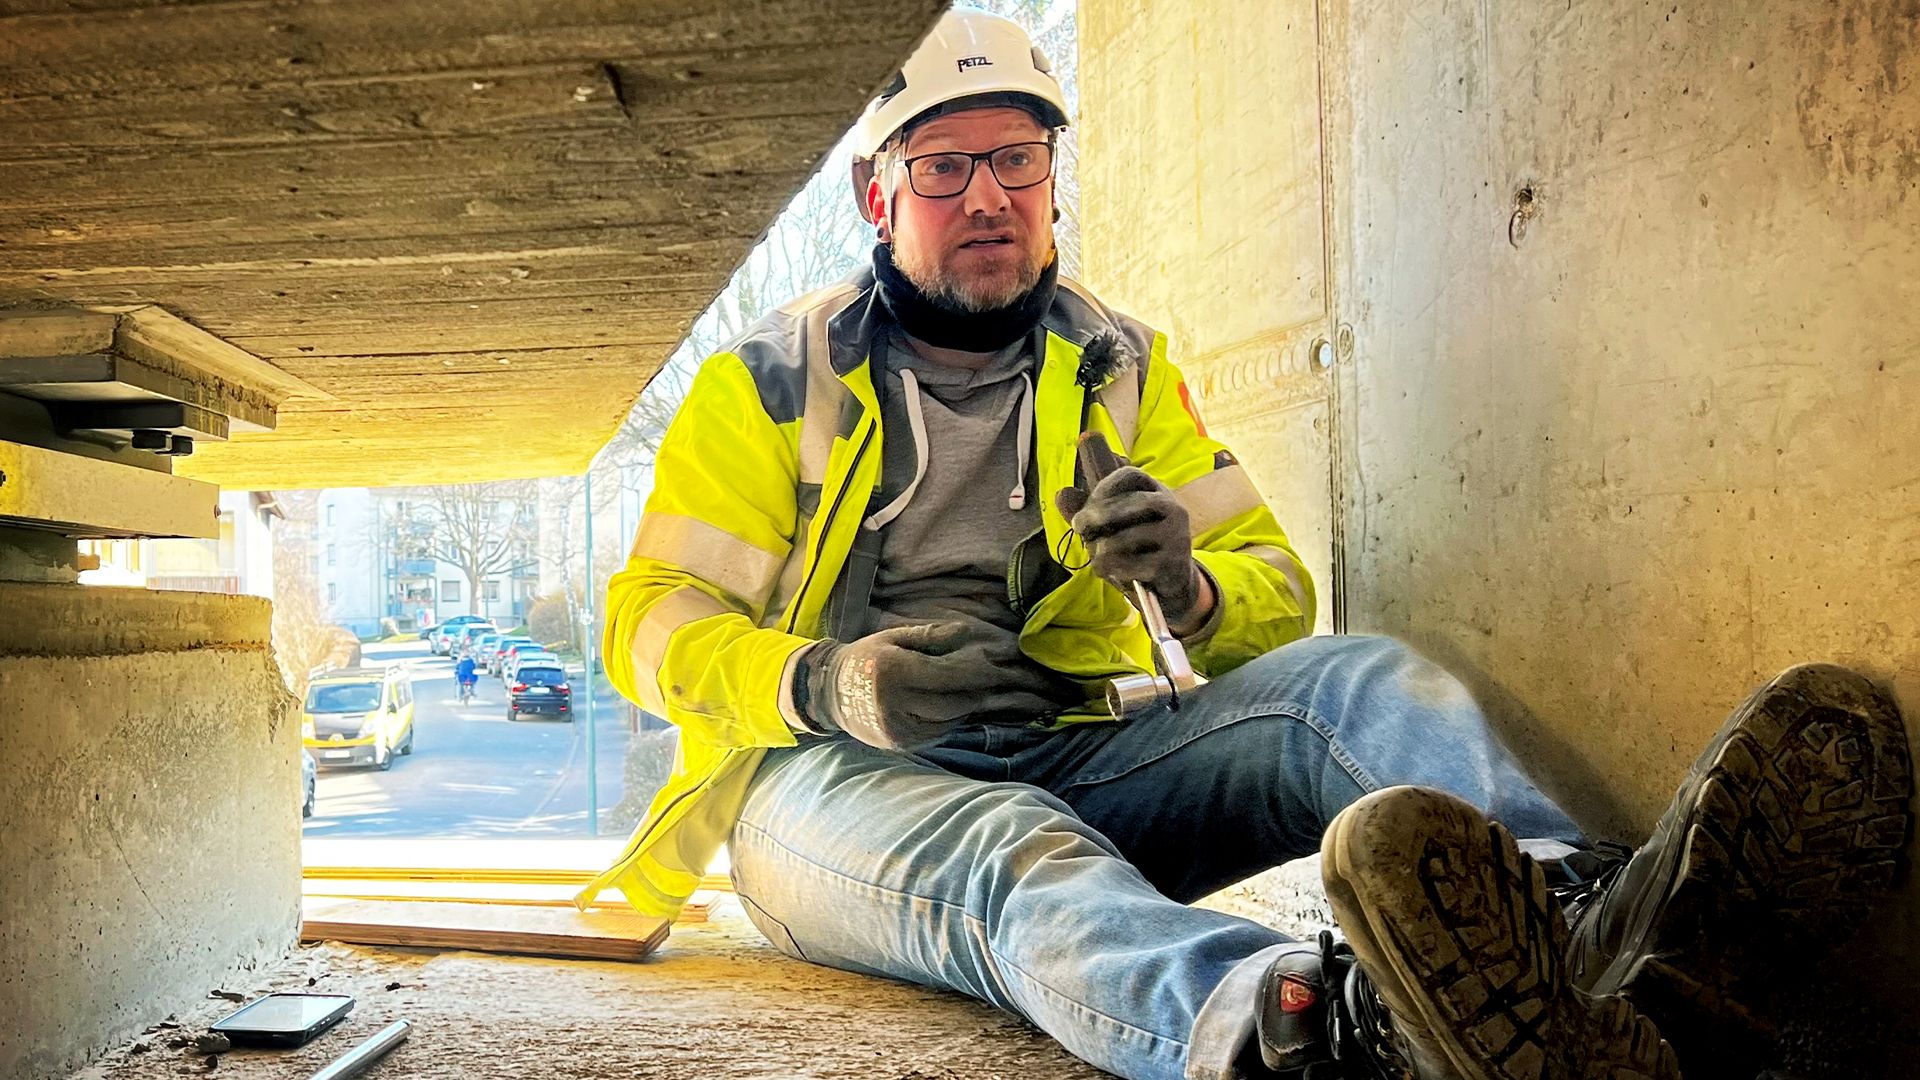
{"x": 1023, "y": 440}
{"x": 879, "y": 518}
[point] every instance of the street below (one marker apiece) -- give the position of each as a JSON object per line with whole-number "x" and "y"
{"x": 474, "y": 773}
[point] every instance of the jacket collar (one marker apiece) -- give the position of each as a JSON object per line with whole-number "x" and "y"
{"x": 852, "y": 332}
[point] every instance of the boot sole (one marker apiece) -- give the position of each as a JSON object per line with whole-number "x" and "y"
{"x": 1459, "y": 933}
{"x": 1800, "y": 815}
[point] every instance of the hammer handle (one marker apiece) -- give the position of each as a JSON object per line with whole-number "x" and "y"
{"x": 1097, "y": 459}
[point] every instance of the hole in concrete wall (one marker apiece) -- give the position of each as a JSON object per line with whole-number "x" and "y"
{"x": 1526, "y": 203}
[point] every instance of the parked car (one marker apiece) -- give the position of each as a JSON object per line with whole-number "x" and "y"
{"x": 441, "y": 640}
{"x": 309, "y": 781}
{"x": 438, "y": 637}
{"x": 540, "y": 687}
{"x": 359, "y": 716}
{"x": 505, "y": 649}
{"x": 510, "y": 671}
{"x": 462, "y": 639}
{"x": 484, "y": 647}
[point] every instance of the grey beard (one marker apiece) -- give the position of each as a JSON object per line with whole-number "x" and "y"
{"x": 946, "y": 290}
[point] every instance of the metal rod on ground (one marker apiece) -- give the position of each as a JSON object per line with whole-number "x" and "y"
{"x": 356, "y": 1060}
{"x": 586, "y": 616}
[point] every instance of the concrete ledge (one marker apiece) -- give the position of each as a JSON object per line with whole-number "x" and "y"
{"x": 717, "y": 1003}
{"x": 83, "y": 620}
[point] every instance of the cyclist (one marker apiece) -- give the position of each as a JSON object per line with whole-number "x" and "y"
{"x": 466, "y": 675}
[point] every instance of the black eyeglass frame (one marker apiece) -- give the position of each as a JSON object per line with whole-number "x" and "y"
{"x": 973, "y": 164}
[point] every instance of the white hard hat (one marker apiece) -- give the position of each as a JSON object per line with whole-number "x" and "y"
{"x": 970, "y": 54}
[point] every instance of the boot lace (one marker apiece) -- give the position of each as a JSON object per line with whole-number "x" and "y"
{"x": 1581, "y": 879}
{"x": 1359, "y": 1027}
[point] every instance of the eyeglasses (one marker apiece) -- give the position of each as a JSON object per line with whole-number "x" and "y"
{"x": 1016, "y": 166}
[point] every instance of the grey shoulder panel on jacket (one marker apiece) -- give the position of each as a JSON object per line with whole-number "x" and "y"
{"x": 1079, "y": 316}
{"x": 774, "y": 349}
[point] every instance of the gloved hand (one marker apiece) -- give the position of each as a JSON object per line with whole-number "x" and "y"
{"x": 1136, "y": 530}
{"x": 906, "y": 687}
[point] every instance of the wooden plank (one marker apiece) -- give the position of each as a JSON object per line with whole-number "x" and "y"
{"x": 584, "y": 855}
{"x": 532, "y": 931}
{"x": 578, "y": 861}
{"x": 697, "y": 908}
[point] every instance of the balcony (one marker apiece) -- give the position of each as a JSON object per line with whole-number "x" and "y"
{"x": 417, "y": 567}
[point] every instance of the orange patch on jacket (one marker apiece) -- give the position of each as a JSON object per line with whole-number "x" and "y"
{"x": 1186, "y": 402}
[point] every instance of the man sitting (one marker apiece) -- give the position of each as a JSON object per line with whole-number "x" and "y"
{"x": 878, "y": 600}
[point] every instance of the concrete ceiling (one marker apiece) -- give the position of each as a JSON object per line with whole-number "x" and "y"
{"x": 479, "y": 226}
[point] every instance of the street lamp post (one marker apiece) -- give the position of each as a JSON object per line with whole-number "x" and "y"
{"x": 587, "y": 650}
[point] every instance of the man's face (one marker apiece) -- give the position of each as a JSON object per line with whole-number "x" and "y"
{"x": 985, "y": 247}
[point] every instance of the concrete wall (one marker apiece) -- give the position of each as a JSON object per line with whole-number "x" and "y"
{"x": 1201, "y": 213}
{"x": 1624, "y": 412}
{"x": 149, "y": 805}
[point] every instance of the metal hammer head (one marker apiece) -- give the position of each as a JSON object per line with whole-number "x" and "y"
{"x": 1138, "y": 693}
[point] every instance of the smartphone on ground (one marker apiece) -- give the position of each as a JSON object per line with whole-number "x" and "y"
{"x": 283, "y": 1019}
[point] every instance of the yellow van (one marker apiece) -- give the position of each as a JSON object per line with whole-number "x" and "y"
{"x": 359, "y": 716}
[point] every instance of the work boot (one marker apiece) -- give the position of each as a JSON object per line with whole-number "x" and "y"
{"x": 1466, "y": 949}
{"x": 1787, "y": 831}
{"x": 1320, "y": 1019}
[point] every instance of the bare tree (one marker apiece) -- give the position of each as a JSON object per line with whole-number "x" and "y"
{"x": 637, "y": 440}
{"x": 304, "y": 636}
{"x": 564, "y": 546}
{"x": 817, "y": 240}
{"x": 484, "y": 529}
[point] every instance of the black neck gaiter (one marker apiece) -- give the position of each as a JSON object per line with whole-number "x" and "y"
{"x": 969, "y": 331}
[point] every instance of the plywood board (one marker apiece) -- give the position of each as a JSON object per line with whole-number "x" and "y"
{"x": 533, "y": 931}
{"x": 521, "y": 894}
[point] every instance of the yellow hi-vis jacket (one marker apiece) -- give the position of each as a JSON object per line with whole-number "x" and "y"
{"x": 760, "y": 485}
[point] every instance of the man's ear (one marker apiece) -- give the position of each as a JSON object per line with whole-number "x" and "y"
{"x": 877, "y": 211}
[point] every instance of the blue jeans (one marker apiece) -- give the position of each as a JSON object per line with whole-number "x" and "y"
{"x": 1048, "y": 872}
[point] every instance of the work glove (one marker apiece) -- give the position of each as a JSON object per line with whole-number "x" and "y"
{"x": 1135, "y": 530}
{"x": 904, "y": 688}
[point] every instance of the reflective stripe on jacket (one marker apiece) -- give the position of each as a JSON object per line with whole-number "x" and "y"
{"x": 760, "y": 485}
